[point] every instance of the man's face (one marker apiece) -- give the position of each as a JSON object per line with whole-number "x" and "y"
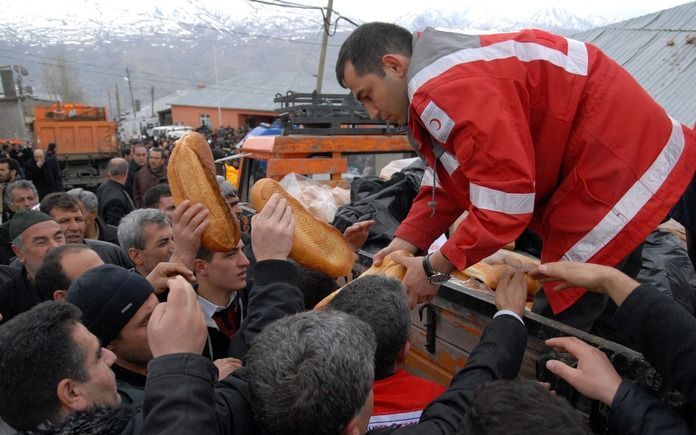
{"x": 37, "y": 241}
{"x": 156, "y": 159}
{"x": 6, "y": 175}
{"x": 88, "y": 216}
{"x": 383, "y": 97}
{"x": 227, "y": 270}
{"x": 233, "y": 202}
{"x": 159, "y": 246}
{"x": 131, "y": 344}
{"x": 140, "y": 156}
{"x": 76, "y": 263}
{"x": 100, "y": 387}
{"x": 166, "y": 206}
{"x": 72, "y": 222}
{"x": 22, "y": 199}
{"x": 39, "y": 157}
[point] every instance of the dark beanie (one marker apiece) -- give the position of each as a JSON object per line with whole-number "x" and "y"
{"x": 108, "y": 297}
{"x": 24, "y": 219}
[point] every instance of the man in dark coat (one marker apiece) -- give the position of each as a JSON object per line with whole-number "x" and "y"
{"x": 148, "y": 176}
{"x": 114, "y": 200}
{"x": 45, "y": 173}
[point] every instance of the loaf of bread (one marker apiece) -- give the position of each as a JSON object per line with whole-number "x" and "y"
{"x": 191, "y": 174}
{"x": 389, "y": 268}
{"x": 316, "y": 244}
{"x": 491, "y": 269}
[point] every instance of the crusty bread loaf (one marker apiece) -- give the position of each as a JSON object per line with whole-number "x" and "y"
{"x": 317, "y": 244}
{"x": 491, "y": 269}
{"x": 191, "y": 174}
{"x": 389, "y": 268}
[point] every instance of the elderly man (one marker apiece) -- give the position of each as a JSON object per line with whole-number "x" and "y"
{"x": 154, "y": 173}
{"x": 113, "y": 197}
{"x": 146, "y": 236}
{"x": 66, "y": 211}
{"x": 9, "y": 170}
{"x": 33, "y": 235}
{"x": 45, "y": 173}
{"x": 19, "y": 195}
{"x": 95, "y": 227}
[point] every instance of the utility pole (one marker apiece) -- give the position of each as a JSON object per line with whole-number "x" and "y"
{"x": 217, "y": 85}
{"x": 118, "y": 104}
{"x": 130, "y": 90}
{"x": 152, "y": 95}
{"x": 111, "y": 108}
{"x": 324, "y": 43}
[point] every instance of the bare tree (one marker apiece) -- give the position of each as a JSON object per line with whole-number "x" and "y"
{"x": 60, "y": 80}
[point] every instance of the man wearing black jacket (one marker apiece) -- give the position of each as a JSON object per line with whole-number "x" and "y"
{"x": 114, "y": 199}
{"x": 180, "y": 382}
{"x": 655, "y": 325}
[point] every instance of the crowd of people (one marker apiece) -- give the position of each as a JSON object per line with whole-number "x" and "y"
{"x": 115, "y": 319}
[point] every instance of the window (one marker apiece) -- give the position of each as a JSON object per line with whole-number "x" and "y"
{"x": 205, "y": 120}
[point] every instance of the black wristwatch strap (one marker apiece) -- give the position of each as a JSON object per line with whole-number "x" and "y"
{"x": 427, "y": 267}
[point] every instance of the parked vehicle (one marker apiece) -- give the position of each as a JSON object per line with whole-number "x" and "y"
{"x": 85, "y": 140}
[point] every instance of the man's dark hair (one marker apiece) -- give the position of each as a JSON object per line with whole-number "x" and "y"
{"x": 12, "y": 163}
{"x": 51, "y": 276}
{"x": 37, "y": 351}
{"x": 315, "y": 285}
{"x": 59, "y": 200}
{"x": 152, "y": 197}
{"x": 204, "y": 254}
{"x": 381, "y": 303}
{"x": 156, "y": 150}
{"x": 367, "y": 44}
{"x": 310, "y": 373}
{"x": 521, "y": 407}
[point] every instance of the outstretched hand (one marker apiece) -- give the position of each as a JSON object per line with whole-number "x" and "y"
{"x": 511, "y": 292}
{"x": 419, "y": 290}
{"x": 188, "y": 224}
{"x": 395, "y": 245}
{"x": 163, "y": 272}
{"x": 593, "y": 277}
{"x": 594, "y": 377}
{"x": 177, "y": 326}
{"x": 357, "y": 234}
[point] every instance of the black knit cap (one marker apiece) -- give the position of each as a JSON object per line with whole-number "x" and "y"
{"x": 24, "y": 219}
{"x": 108, "y": 297}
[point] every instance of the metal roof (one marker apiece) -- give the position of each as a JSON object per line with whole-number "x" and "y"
{"x": 660, "y": 51}
{"x": 255, "y": 90}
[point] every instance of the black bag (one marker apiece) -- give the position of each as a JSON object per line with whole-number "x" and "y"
{"x": 387, "y": 202}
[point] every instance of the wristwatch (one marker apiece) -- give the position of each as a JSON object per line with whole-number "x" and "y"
{"x": 433, "y": 276}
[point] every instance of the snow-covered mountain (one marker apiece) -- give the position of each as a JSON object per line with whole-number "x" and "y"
{"x": 179, "y": 45}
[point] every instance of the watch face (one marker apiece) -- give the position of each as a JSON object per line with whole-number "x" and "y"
{"x": 439, "y": 278}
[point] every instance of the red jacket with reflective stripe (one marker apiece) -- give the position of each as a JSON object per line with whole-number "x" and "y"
{"x": 544, "y": 132}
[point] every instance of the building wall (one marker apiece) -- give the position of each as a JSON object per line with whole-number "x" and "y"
{"x": 189, "y": 115}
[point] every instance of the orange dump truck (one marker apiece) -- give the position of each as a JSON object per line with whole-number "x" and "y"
{"x": 85, "y": 140}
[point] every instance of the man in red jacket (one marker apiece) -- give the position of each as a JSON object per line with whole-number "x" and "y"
{"x": 522, "y": 130}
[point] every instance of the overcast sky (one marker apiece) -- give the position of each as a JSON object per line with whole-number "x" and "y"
{"x": 361, "y": 10}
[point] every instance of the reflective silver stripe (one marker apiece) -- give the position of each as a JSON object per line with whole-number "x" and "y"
{"x": 502, "y": 202}
{"x": 449, "y": 162}
{"x": 632, "y": 201}
{"x": 575, "y": 62}
{"x": 429, "y": 178}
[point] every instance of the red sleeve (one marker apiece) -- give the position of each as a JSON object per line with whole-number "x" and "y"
{"x": 492, "y": 143}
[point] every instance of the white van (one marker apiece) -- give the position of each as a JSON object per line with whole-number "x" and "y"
{"x": 171, "y": 131}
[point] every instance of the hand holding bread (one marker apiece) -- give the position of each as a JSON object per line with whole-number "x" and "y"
{"x": 191, "y": 174}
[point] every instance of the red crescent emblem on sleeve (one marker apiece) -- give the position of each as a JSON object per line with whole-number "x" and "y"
{"x": 436, "y": 124}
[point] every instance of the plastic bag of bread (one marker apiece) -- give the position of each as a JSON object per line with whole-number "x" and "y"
{"x": 316, "y": 244}
{"x": 389, "y": 268}
{"x": 319, "y": 199}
